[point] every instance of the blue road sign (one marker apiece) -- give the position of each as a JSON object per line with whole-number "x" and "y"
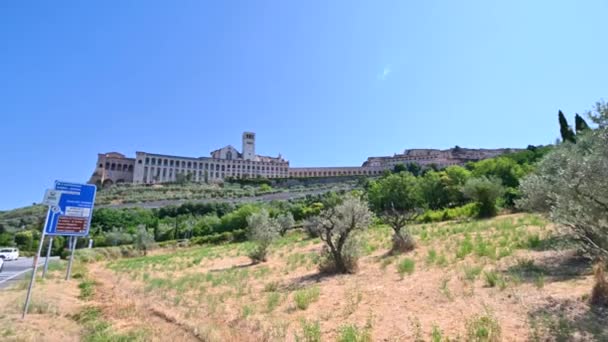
{"x": 72, "y": 216}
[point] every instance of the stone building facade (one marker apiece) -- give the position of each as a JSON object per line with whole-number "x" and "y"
{"x": 440, "y": 158}
{"x": 228, "y": 162}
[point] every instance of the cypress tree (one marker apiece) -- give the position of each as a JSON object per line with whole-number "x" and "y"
{"x": 580, "y": 124}
{"x": 564, "y": 129}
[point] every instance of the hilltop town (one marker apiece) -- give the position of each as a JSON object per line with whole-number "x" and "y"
{"x": 228, "y": 162}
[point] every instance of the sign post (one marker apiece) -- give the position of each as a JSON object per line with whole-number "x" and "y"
{"x": 48, "y": 256}
{"x": 73, "y": 241}
{"x": 28, "y": 297}
{"x": 70, "y": 213}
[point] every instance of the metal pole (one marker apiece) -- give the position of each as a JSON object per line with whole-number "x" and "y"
{"x": 74, "y": 240}
{"x": 28, "y": 297}
{"x": 48, "y": 256}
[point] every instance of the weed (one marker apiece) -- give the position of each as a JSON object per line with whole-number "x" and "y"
{"x": 533, "y": 241}
{"x": 98, "y": 330}
{"x": 272, "y": 301}
{"x": 465, "y": 248}
{"x": 246, "y": 311}
{"x": 351, "y": 333}
{"x": 86, "y": 289}
{"x": 472, "y": 272}
{"x": 352, "y": 297}
{"x": 436, "y": 334}
{"x": 483, "y": 329}
{"x": 303, "y": 298}
{"x": 442, "y": 261}
{"x": 385, "y": 262}
{"x": 271, "y": 286}
{"x": 417, "y": 328}
{"x": 41, "y": 307}
{"x": 493, "y": 279}
{"x": 444, "y": 289}
{"x": 431, "y": 256}
{"x": 311, "y": 332}
{"x": 540, "y": 281}
{"x": 406, "y": 266}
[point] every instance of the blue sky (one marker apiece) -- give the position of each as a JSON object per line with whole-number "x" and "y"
{"x": 324, "y": 83}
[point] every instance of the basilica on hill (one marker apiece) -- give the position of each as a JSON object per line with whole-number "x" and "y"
{"x": 228, "y": 162}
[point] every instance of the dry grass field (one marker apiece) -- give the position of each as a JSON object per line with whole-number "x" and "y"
{"x": 512, "y": 278}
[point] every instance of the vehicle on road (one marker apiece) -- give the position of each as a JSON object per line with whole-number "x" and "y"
{"x": 1, "y": 264}
{"x": 9, "y": 253}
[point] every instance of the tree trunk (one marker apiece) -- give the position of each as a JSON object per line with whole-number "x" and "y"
{"x": 402, "y": 242}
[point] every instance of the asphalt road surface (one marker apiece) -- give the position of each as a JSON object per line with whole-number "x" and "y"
{"x": 16, "y": 270}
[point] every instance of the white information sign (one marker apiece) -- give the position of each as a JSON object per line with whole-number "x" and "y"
{"x": 51, "y": 197}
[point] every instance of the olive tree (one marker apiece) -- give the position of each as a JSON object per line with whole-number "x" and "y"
{"x": 397, "y": 200}
{"x": 484, "y": 191}
{"x": 262, "y": 230}
{"x": 143, "y": 240}
{"x": 571, "y": 185}
{"x": 335, "y": 227}
{"x": 285, "y": 222}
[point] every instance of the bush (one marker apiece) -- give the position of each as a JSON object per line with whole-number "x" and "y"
{"x": 464, "y": 212}
{"x": 484, "y": 191}
{"x": 570, "y": 184}
{"x": 143, "y": 240}
{"x": 599, "y": 294}
{"x": 262, "y": 231}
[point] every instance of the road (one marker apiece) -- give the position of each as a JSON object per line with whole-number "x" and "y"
{"x": 14, "y": 271}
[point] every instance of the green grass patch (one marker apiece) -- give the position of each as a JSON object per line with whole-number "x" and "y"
{"x": 303, "y": 298}
{"x": 406, "y": 266}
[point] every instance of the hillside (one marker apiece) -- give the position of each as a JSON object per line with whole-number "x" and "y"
{"x": 511, "y": 277}
{"x": 163, "y": 195}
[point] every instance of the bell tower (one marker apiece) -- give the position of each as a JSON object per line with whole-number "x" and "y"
{"x": 248, "y": 145}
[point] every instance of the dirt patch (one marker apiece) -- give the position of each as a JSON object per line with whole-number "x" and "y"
{"x": 53, "y": 304}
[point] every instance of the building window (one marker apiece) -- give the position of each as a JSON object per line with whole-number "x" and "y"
{"x": 139, "y": 161}
{"x": 147, "y": 161}
{"x": 165, "y": 162}
{"x": 229, "y": 155}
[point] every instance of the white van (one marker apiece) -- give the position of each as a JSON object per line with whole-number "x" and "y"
{"x": 9, "y": 253}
